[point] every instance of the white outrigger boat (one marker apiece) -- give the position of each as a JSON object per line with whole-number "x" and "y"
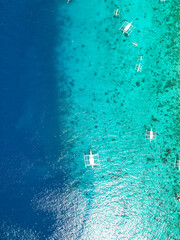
{"x": 91, "y": 159}
{"x": 151, "y": 135}
{"x": 177, "y": 163}
{"x": 127, "y": 28}
{"x": 138, "y": 67}
{"x": 140, "y": 58}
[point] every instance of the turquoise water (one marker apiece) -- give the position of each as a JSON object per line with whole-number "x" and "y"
{"x": 109, "y": 106}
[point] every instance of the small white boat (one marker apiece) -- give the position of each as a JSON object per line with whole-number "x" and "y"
{"x": 127, "y": 28}
{"x": 140, "y": 58}
{"x": 151, "y": 135}
{"x": 138, "y": 67}
{"x": 91, "y": 160}
{"x": 177, "y": 163}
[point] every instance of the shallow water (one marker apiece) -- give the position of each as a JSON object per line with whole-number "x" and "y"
{"x": 131, "y": 196}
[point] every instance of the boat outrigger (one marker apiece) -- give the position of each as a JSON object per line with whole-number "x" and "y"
{"x": 91, "y": 159}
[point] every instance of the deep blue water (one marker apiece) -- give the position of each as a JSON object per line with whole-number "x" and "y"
{"x": 28, "y": 98}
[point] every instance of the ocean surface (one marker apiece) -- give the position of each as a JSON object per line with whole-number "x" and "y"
{"x": 68, "y": 85}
